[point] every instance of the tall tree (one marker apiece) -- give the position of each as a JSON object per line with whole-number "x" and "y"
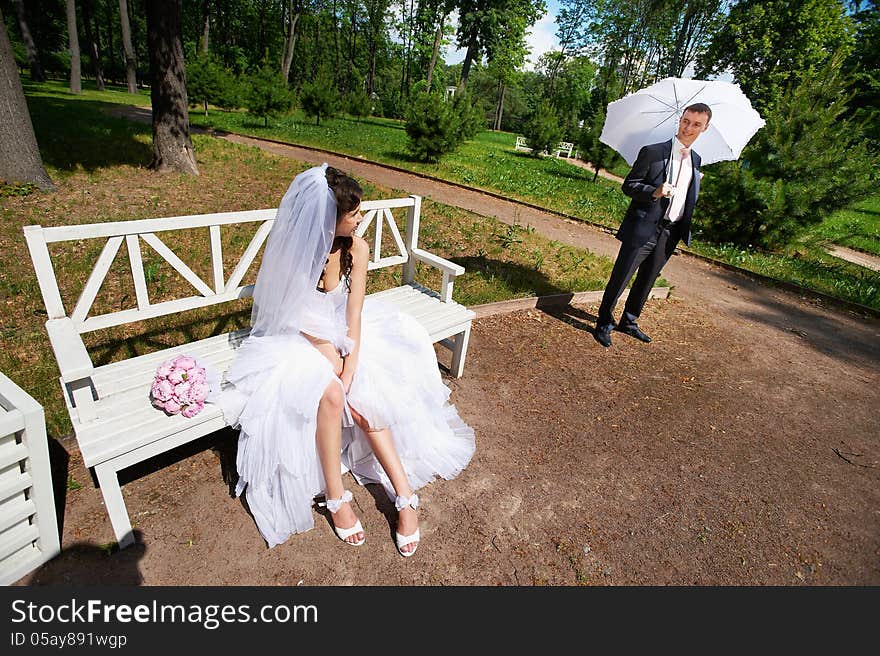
{"x": 20, "y": 159}
{"x": 771, "y": 44}
{"x": 642, "y": 40}
{"x": 130, "y": 63}
{"x": 206, "y": 25}
{"x": 93, "y": 45}
{"x": 292, "y": 15}
{"x": 863, "y": 68}
{"x": 172, "y": 146}
{"x": 376, "y": 12}
{"x": 483, "y": 25}
{"x": 29, "y": 45}
{"x": 438, "y": 37}
{"x": 73, "y": 43}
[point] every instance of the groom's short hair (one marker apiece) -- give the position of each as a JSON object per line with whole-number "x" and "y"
{"x": 700, "y": 108}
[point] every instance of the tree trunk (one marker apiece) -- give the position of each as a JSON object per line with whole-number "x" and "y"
{"x": 437, "y": 36}
{"x": 94, "y": 48}
{"x": 73, "y": 40}
{"x": 20, "y": 159}
{"x": 469, "y": 57}
{"x": 371, "y": 75}
{"x": 29, "y": 45}
{"x": 130, "y": 66}
{"x": 172, "y": 147}
{"x": 206, "y": 31}
{"x": 289, "y": 45}
{"x": 499, "y": 110}
{"x": 335, "y": 43}
{"x": 108, "y": 19}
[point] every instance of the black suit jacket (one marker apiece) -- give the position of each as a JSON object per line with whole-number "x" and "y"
{"x": 644, "y": 212}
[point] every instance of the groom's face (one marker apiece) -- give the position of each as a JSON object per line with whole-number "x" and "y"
{"x": 690, "y": 126}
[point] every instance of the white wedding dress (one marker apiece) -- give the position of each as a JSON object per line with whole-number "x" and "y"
{"x": 272, "y": 390}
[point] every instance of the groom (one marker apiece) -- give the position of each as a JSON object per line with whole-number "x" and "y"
{"x": 664, "y": 183}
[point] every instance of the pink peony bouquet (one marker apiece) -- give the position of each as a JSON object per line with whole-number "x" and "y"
{"x": 180, "y": 386}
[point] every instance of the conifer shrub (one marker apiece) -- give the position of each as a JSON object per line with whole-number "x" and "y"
{"x": 807, "y": 161}
{"x": 358, "y": 104}
{"x": 318, "y": 100}
{"x": 268, "y": 95}
{"x": 542, "y": 130}
{"x": 431, "y": 127}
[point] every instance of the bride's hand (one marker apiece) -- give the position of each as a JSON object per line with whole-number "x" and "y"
{"x": 329, "y": 351}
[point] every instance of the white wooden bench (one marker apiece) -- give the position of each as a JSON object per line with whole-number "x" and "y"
{"x": 109, "y": 405}
{"x": 563, "y": 148}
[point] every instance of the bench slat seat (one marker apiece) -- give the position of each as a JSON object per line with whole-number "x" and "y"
{"x": 126, "y": 420}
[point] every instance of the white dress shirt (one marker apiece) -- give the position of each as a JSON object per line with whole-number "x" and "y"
{"x": 681, "y": 174}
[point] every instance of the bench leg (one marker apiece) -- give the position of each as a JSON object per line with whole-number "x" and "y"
{"x": 115, "y": 504}
{"x": 459, "y": 352}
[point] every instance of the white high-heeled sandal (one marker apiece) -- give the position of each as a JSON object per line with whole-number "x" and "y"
{"x": 403, "y": 540}
{"x": 333, "y": 505}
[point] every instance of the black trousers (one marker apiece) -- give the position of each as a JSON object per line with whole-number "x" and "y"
{"x": 648, "y": 259}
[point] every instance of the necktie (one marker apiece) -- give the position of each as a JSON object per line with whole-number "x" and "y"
{"x": 685, "y": 153}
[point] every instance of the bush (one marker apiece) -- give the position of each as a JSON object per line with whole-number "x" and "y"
{"x": 805, "y": 163}
{"x": 358, "y": 104}
{"x": 318, "y": 99}
{"x": 469, "y": 117}
{"x": 431, "y": 127}
{"x": 393, "y": 105}
{"x": 202, "y": 80}
{"x": 268, "y": 94}
{"x": 591, "y": 150}
{"x": 542, "y": 130}
{"x": 229, "y": 90}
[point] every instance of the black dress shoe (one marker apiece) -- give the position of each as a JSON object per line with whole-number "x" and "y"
{"x": 603, "y": 336}
{"x": 633, "y": 331}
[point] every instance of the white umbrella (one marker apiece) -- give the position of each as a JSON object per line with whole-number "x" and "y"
{"x": 651, "y": 115}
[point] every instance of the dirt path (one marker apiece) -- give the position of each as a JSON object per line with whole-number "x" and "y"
{"x": 856, "y": 257}
{"x": 740, "y": 447}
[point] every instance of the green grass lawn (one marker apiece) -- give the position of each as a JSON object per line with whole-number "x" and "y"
{"x": 809, "y": 267}
{"x": 488, "y": 162}
{"x": 857, "y": 227}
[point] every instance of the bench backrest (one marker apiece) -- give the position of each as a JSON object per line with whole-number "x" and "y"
{"x": 223, "y": 287}
{"x": 562, "y": 147}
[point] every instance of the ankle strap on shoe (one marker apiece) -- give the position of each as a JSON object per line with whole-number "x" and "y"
{"x": 333, "y": 505}
{"x": 402, "y": 502}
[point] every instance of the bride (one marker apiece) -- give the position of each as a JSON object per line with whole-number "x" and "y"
{"x": 327, "y": 376}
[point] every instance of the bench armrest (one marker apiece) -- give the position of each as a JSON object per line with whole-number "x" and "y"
{"x": 74, "y": 362}
{"x": 444, "y": 265}
{"x": 449, "y": 269}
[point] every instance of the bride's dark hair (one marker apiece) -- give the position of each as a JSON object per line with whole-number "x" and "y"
{"x": 348, "y": 194}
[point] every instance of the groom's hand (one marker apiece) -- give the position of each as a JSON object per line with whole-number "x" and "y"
{"x": 665, "y": 189}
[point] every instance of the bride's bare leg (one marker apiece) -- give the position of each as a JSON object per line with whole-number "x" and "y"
{"x": 383, "y": 446}
{"x": 328, "y": 440}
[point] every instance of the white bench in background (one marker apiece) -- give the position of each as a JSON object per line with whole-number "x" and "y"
{"x": 28, "y": 524}
{"x": 109, "y": 406}
{"x": 563, "y": 148}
